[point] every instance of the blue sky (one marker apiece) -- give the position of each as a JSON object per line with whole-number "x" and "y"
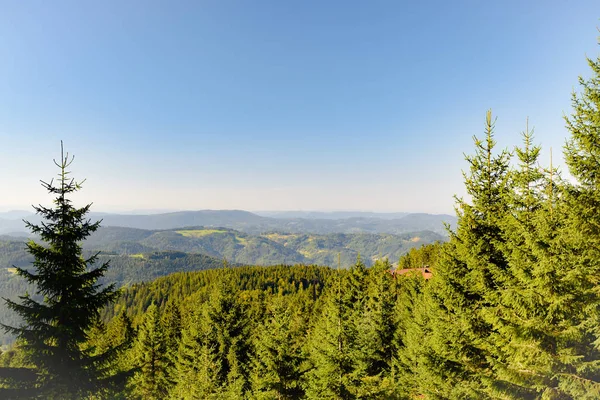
{"x": 278, "y": 105}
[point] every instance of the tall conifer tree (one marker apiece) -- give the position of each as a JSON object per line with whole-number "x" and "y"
{"x": 375, "y": 329}
{"x": 150, "y": 382}
{"x": 454, "y": 358}
{"x": 332, "y": 344}
{"x": 171, "y": 324}
{"x": 410, "y": 364}
{"x": 576, "y": 311}
{"x": 197, "y": 367}
{"x": 518, "y": 339}
{"x": 328, "y": 352}
{"x": 56, "y": 328}
{"x": 226, "y": 320}
{"x": 278, "y": 354}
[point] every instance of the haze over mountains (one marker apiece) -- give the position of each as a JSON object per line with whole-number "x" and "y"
{"x": 330, "y": 214}
{"x": 258, "y": 223}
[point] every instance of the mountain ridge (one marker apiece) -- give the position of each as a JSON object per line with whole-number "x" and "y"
{"x": 252, "y": 223}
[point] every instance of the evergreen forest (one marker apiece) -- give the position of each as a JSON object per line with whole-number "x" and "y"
{"x": 511, "y": 309}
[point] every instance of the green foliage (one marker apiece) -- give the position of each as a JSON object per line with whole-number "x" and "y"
{"x": 197, "y": 365}
{"x": 278, "y": 355}
{"x": 375, "y": 331}
{"x": 577, "y": 301}
{"x": 329, "y": 350}
{"x": 350, "y": 347}
{"x": 172, "y": 325}
{"x": 424, "y": 256}
{"x": 249, "y": 331}
{"x": 150, "y": 353}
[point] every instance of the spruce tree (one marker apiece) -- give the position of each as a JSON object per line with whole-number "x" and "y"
{"x": 214, "y": 350}
{"x": 518, "y": 337}
{"x": 227, "y": 317}
{"x": 328, "y": 353}
{"x": 278, "y": 354}
{"x": 117, "y": 333}
{"x": 55, "y": 329}
{"x": 150, "y": 382}
{"x": 578, "y": 369}
{"x": 228, "y": 323}
{"x": 455, "y": 358}
{"x": 332, "y": 346}
{"x": 197, "y": 367}
{"x": 120, "y": 334}
{"x": 171, "y": 324}
{"x": 375, "y": 330}
{"x": 412, "y": 327}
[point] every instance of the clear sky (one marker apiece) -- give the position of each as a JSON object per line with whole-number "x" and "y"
{"x": 278, "y": 105}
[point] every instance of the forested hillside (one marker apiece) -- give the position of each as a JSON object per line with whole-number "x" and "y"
{"x": 138, "y": 255}
{"x": 239, "y": 247}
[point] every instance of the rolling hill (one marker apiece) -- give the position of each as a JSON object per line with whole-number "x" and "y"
{"x": 264, "y": 249}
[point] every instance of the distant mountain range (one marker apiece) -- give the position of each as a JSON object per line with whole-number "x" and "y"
{"x": 244, "y": 221}
{"x": 330, "y": 214}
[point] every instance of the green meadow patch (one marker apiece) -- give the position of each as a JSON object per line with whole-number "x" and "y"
{"x": 200, "y": 232}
